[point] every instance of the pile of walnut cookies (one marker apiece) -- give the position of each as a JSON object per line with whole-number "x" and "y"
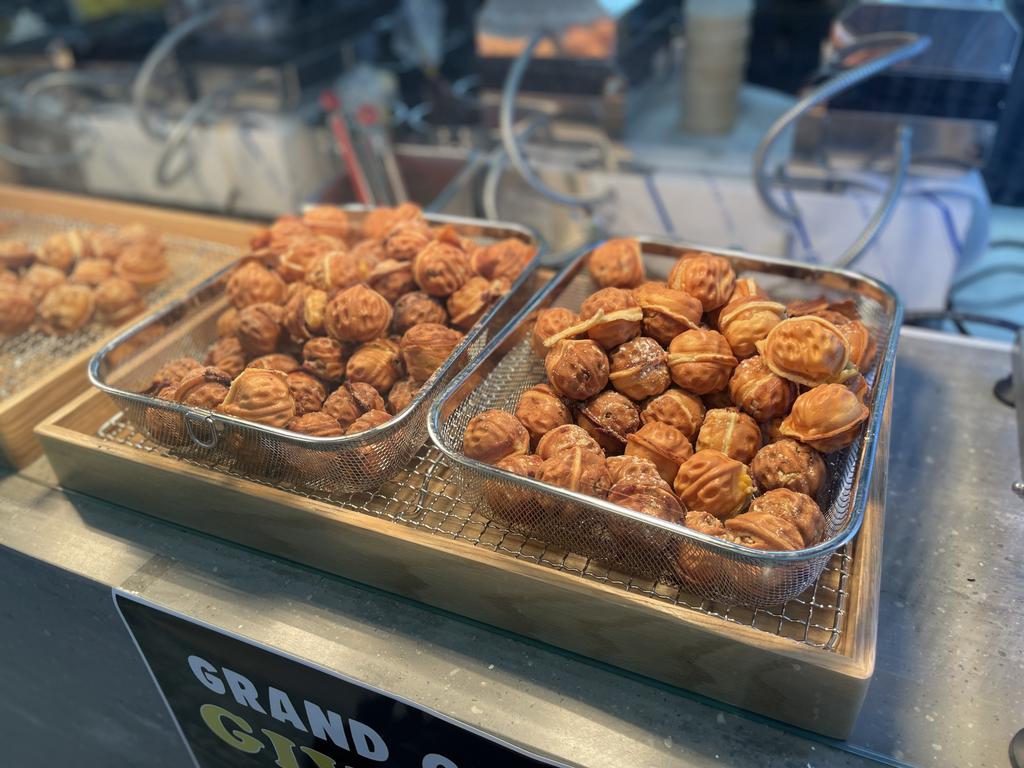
{"x": 698, "y": 400}
{"x": 76, "y": 276}
{"x": 335, "y": 324}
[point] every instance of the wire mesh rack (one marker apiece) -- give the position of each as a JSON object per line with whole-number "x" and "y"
{"x": 29, "y": 355}
{"x": 427, "y": 496}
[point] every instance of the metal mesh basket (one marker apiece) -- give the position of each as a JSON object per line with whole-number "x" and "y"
{"x": 637, "y": 544}
{"x": 26, "y": 357}
{"x": 125, "y": 366}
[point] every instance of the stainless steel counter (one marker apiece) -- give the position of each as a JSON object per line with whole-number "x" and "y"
{"x": 950, "y": 647}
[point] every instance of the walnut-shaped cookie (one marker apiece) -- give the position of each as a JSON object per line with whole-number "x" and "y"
{"x": 550, "y": 323}
{"x": 760, "y": 392}
{"x": 282, "y": 232}
{"x": 228, "y": 355}
{"x": 357, "y": 314}
{"x": 39, "y": 279}
{"x": 700, "y": 361}
{"x": 367, "y": 421}
{"x": 807, "y": 350}
{"x": 676, "y": 408}
{"x": 66, "y": 309}
{"x": 541, "y": 409}
{"x": 617, "y": 263}
{"x": 560, "y": 439}
{"x": 634, "y": 469}
{"x": 577, "y": 470}
{"x": 468, "y": 304}
{"x": 401, "y": 395}
{"x": 442, "y": 267}
{"x": 117, "y": 301}
{"x": 203, "y": 388}
{"x": 91, "y": 272}
{"x": 577, "y": 369}
{"x": 17, "y": 310}
{"x": 328, "y": 220}
{"x": 406, "y": 239}
{"x": 656, "y": 500}
{"x": 827, "y": 418}
{"x": 859, "y": 386}
{"x": 324, "y": 357}
{"x": 789, "y": 464}
{"x": 260, "y": 396}
{"x": 747, "y": 320}
{"x": 259, "y": 328}
{"x": 303, "y": 314}
{"x": 170, "y": 373}
{"x": 639, "y": 368}
{"x": 7, "y": 277}
{"x": 503, "y": 260}
{"x": 709, "y": 279}
{"x": 227, "y": 322}
{"x": 301, "y": 254}
{"x": 142, "y": 265}
{"x": 253, "y": 283}
{"x": 417, "y": 307}
{"x": 63, "y": 249}
{"x": 377, "y": 363}
{"x": 662, "y": 444}
{"x": 15, "y": 254}
{"x": 611, "y": 316}
{"x": 350, "y": 401}
{"x": 165, "y": 426}
{"x": 315, "y": 424}
{"x": 275, "y": 361}
{"x": 609, "y": 417}
{"x": 862, "y": 346}
{"x": 667, "y": 312}
{"x": 307, "y": 390}
{"x": 712, "y": 482}
{"x": 392, "y": 278}
{"x": 779, "y": 520}
{"x": 731, "y": 432}
{"x": 380, "y": 221}
{"x": 339, "y": 269}
{"x": 425, "y": 347}
{"x": 493, "y": 435}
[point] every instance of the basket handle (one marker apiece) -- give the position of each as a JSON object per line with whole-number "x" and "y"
{"x": 191, "y": 418}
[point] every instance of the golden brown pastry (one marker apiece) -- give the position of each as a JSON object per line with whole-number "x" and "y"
{"x": 417, "y": 307}
{"x": 746, "y": 320}
{"x": 262, "y": 396}
{"x": 656, "y": 500}
{"x": 401, "y": 395}
{"x": 634, "y": 469}
{"x": 667, "y": 312}
{"x": 368, "y": 421}
{"x": 7, "y": 277}
{"x": 117, "y": 301}
{"x": 468, "y": 304}
{"x": 759, "y": 392}
{"x": 712, "y": 482}
{"x": 327, "y": 220}
{"x": 493, "y": 435}
{"x": 301, "y": 253}
{"x": 779, "y": 520}
{"x": 227, "y": 322}
{"x": 639, "y": 368}
{"x": 253, "y": 283}
{"x": 577, "y": 369}
{"x": 551, "y": 322}
{"x": 579, "y": 470}
{"x": 380, "y": 221}
{"x": 357, "y": 314}
{"x": 859, "y": 386}
{"x": 259, "y": 328}
{"x": 540, "y": 410}
{"x": 303, "y": 314}
{"x": 350, "y": 401}
{"x": 561, "y": 439}
{"x": 609, "y": 418}
{"x": 827, "y": 418}
{"x": 91, "y": 272}
{"x": 617, "y": 263}
{"x": 441, "y": 268}
{"x": 612, "y": 315}
{"x": 733, "y": 433}
{"x": 700, "y": 361}
{"x": 808, "y": 350}
{"x": 426, "y": 347}
{"x": 15, "y": 254}
{"x": 308, "y": 392}
{"x": 17, "y": 310}
{"x": 142, "y": 265}
{"x": 377, "y": 363}
{"x": 228, "y": 355}
{"x": 203, "y": 388}
{"x": 275, "y": 361}
{"x": 170, "y": 373}
{"x": 166, "y": 427}
{"x": 406, "y": 239}
{"x": 788, "y": 464}
{"x": 662, "y": 444}
{"x": 503, "y": 260}
{"x": 391, "y": 279}
{"x": 63, "y": 249}
{"x": 709, "y": 279}
{"x": 66, "y": 309}
{"x": 337, "y": 270}
{"x": 104, "y": 244}
{"x": 677, "y": 408}
{"x": 315, "y": 424}
{"x": 325, "y": 358}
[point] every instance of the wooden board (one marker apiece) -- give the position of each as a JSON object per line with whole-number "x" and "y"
{"x": 22, "y": 411}
{"x": 796, "y": 683}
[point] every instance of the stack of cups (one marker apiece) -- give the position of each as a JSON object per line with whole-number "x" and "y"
{"x": 717, "y": 34}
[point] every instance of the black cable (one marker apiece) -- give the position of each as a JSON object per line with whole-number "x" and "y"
{"x": 914, "y": 318}
{"x": 983, "y": 274}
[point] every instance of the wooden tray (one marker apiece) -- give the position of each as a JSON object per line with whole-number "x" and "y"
{"x": 20, "y": 412}
{"x": 431, "y": 560}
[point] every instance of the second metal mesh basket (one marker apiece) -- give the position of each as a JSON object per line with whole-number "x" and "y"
{"x": 124, "y": 367}
{"x": 638, "y": 544}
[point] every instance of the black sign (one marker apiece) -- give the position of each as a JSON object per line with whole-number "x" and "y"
{"x": 238, "y": 703}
